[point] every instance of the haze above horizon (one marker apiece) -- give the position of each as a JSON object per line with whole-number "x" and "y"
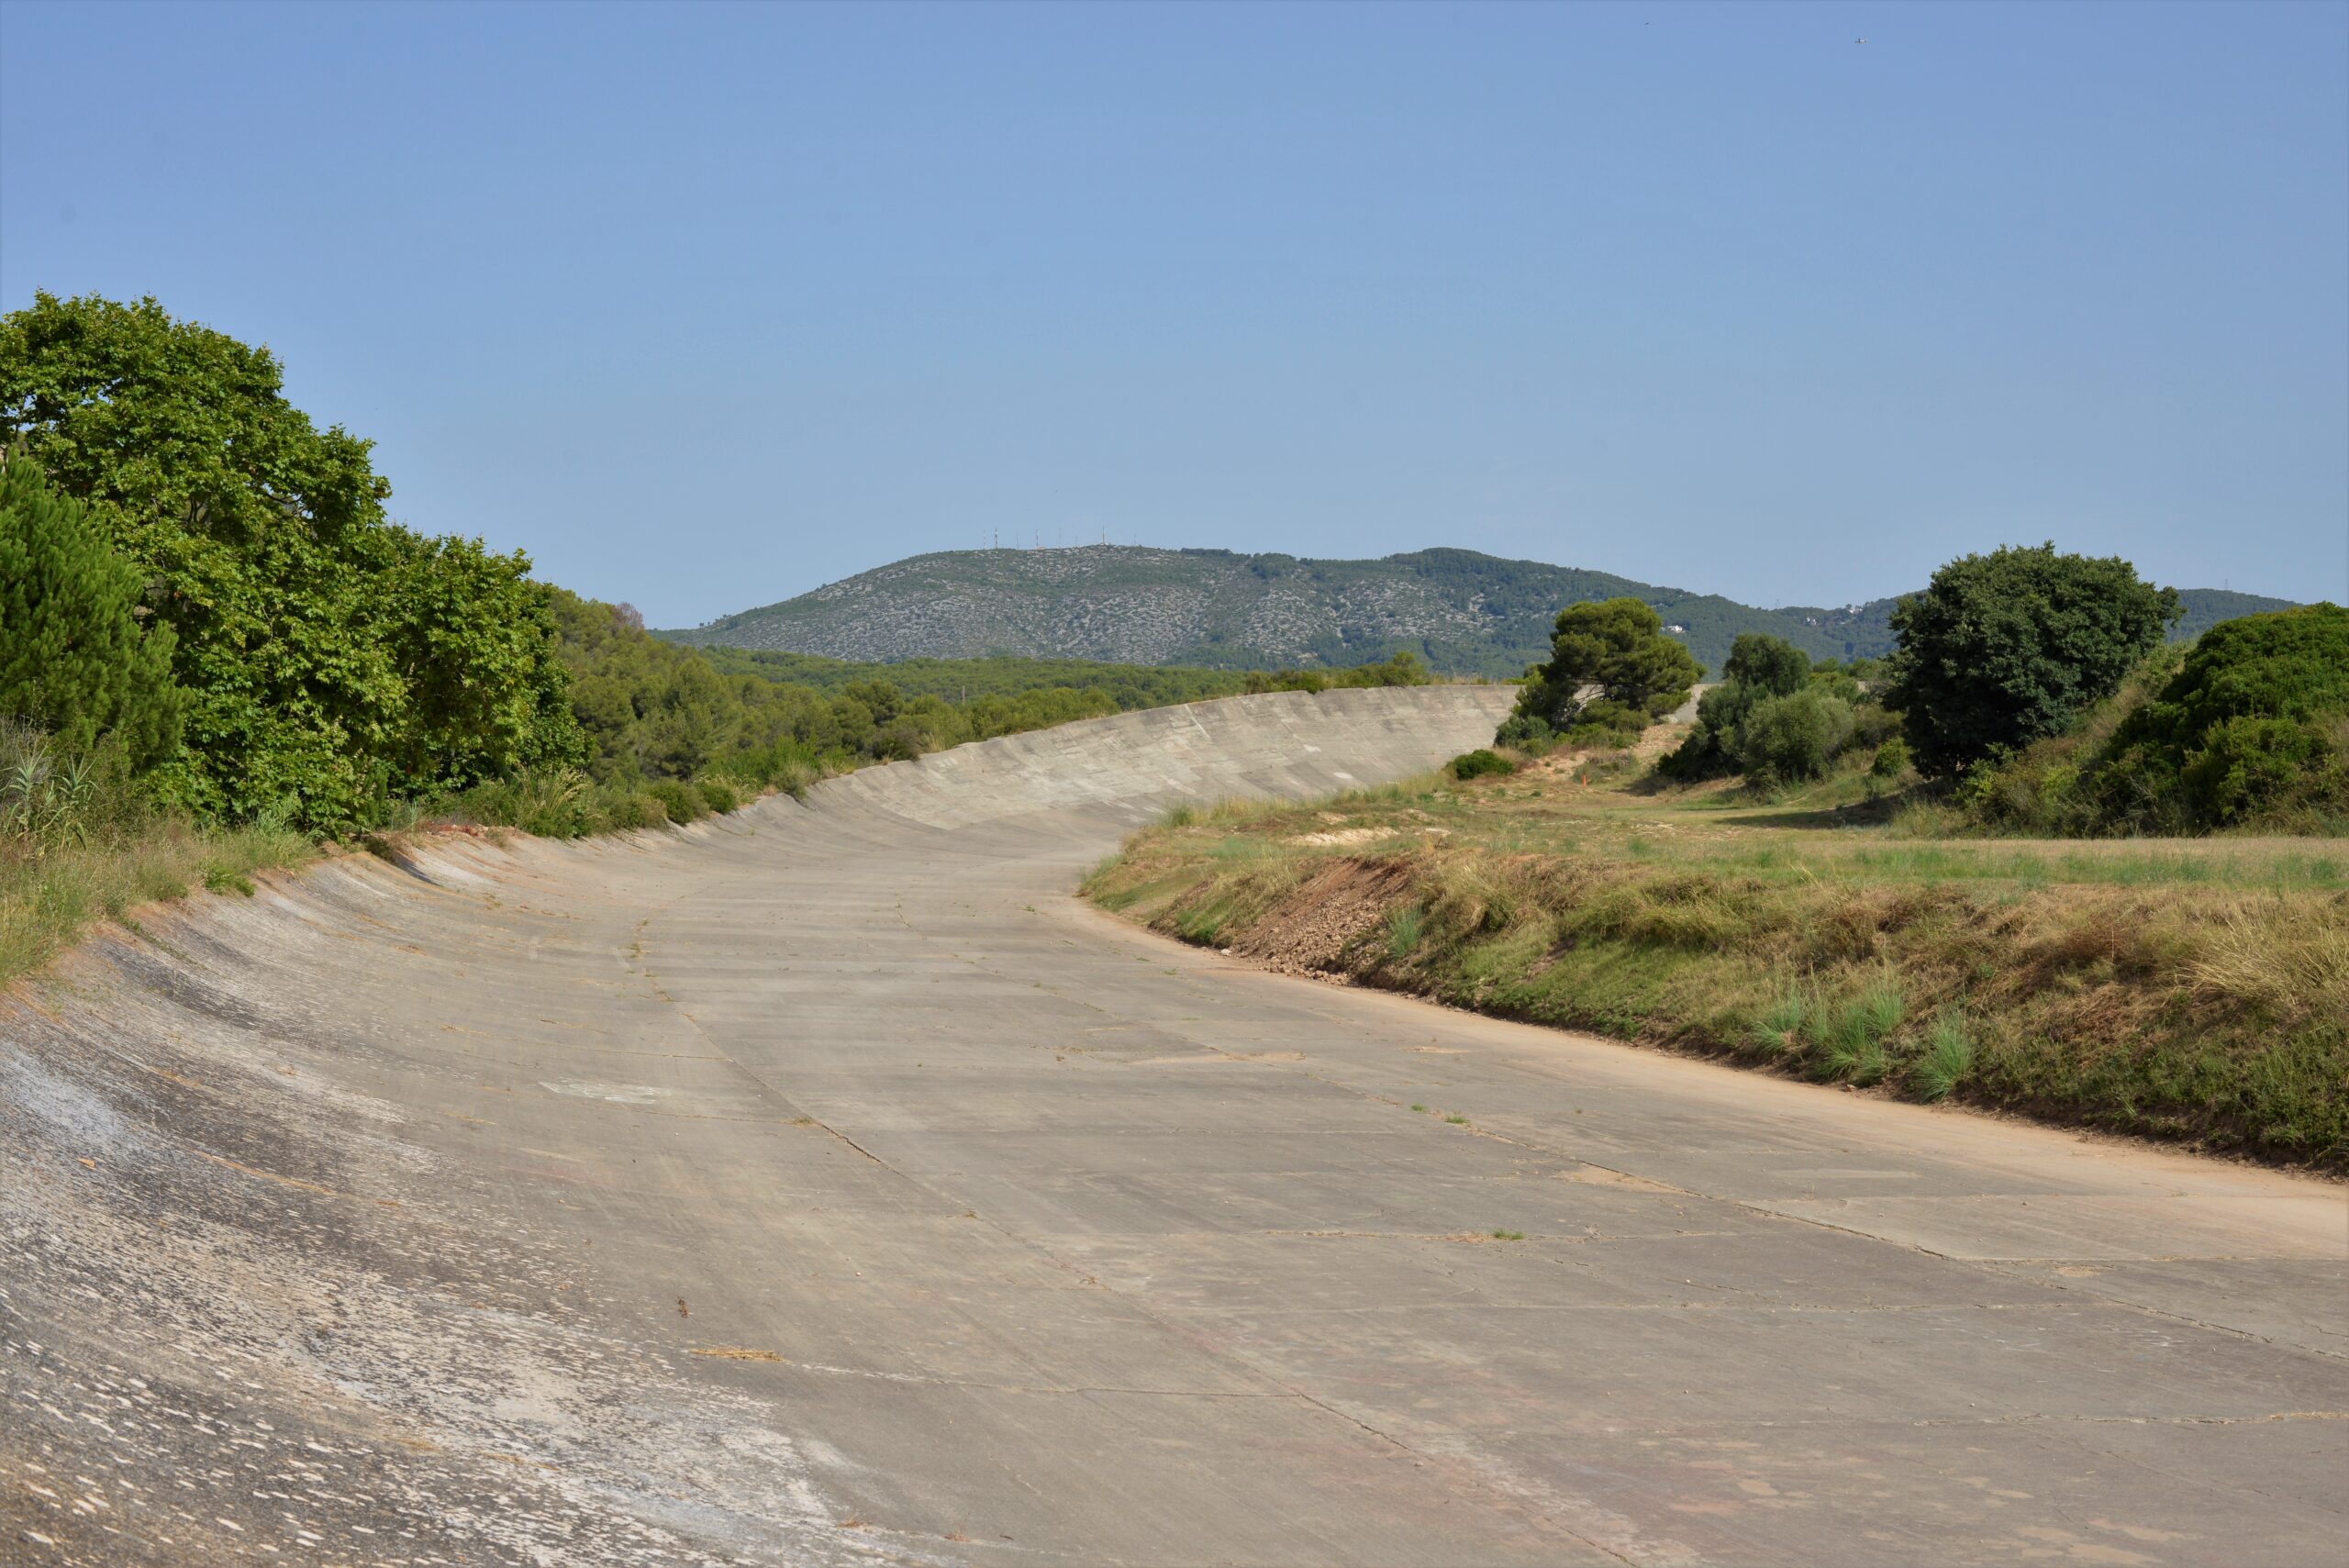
{"x": 705, "y": 306}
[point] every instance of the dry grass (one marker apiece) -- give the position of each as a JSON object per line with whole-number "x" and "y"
{"x": 2197, "y": 990}
{"x": 2282, "y": 966}
{"x": 51, "y": 894}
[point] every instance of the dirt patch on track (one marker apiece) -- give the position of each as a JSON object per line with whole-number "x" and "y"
{"x": 1313, "y": 929}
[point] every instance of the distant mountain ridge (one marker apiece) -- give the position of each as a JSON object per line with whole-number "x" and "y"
{"x": 1466, "y": 613}
{"x": 1865, "y": 630}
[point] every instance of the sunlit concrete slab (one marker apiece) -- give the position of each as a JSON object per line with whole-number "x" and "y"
{"x": 824, "y": 1185}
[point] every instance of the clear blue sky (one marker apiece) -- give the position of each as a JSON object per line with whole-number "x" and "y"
{"x": 705, "y": 306}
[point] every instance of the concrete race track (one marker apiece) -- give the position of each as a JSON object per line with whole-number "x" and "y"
{"x": 826, "y": 1185}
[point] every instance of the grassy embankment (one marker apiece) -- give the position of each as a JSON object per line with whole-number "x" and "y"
{"x": 49, "y": 895}
{"x": 2187, "y": 989}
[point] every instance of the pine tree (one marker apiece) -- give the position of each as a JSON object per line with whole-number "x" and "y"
{"x": 75, "y": 659}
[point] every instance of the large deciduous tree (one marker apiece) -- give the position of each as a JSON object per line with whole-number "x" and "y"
{"x": 329, "y": 657}
{"x": 2004, "y": 649}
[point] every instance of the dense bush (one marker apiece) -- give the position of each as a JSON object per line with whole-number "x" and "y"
{"x": 1526, "y": 733}
{"x": 2254, "y": 724}
{"x": 2006, "y": 648}
{"x": 1760, "y": 668}
{"x": 75, "y": 659}
{"x": 1791, "y": 736}
{"x": 680, "y": 799}
{"x": 1476, "y": 764}
{"x": 330, "y": 659}
{"x": 2249, "y": 728}
{"x": 1611, "y": 673}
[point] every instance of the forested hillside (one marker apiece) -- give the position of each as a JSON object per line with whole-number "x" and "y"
{"x": 1464, "y": 613}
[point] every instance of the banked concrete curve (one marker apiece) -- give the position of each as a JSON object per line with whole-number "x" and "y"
{"x": 825, "y": 1186}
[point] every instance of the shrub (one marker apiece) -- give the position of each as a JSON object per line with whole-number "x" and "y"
{"x": 1476, "y": 764}
{"x": 1607, "y": 723}
{"x": 1706, "y": 753}
{"x": 1873, "y": 724}
{"x": 679, "y": 799}
{"x": 633, "y": 808}
{"x": 2248, "y": 726}
{"x": 552, "y": 805}
{"x": 2250, "y": 723}
{"x": 1791, "y": 736}
{"x": 1891, "y": 760}
{"x": 717, "y": 795}
{"x": 2245, "y": 762}
{"x": 1527, "y": 733}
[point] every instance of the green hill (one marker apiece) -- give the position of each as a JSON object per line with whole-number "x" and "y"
{"x": 1464, "y": 613}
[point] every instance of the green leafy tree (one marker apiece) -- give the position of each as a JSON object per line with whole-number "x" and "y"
{"x": 2004, "y": 649}
{"x": 75, "y": 659}
{"x": 1767, "y": 666}
{"x": 1760, "y": 668}
{"x": 1619, "y": 648}
{"x": 329, "y": 656}
{"x": 473, "y": 640}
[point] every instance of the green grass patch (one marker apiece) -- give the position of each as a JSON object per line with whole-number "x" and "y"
{"x": 1404, "y": 924}
{"x": 1947, "y": 1057}
{"x": 2191, "y": 990}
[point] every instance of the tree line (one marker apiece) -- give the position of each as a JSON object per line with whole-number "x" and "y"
{"x": 2031, "y": 689}
{"x": 206, "y": 606}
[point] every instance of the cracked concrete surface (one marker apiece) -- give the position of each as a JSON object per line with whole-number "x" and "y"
{"x": 825, "y": 1186}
